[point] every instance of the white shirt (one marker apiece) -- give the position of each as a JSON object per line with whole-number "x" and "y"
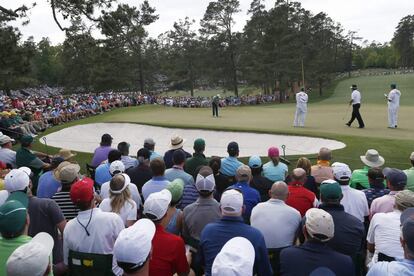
{"x": 354, "y": 202}
{"x": 384, "y": 231}
{"x": 277, "y": 222}
{"x": 356, "y": 97}
{"x": 132, "y": 188}
{"x": 103, "y": 230}
{"x": 301, "y": 98}
{"x": 394, "y": 98}
{"x": 8, "y": 156}
{"x": 127, "y": 212}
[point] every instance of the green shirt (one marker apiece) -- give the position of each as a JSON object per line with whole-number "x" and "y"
{"x": 7, "y": 246}
{"x": 191, "y": 164}
{"x": 410, "y": 179}
{"x": 360, "y": 178}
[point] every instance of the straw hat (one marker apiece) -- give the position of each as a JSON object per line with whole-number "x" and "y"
{"x": 66, "y": 154}
{"x": 177, "y": 142}
{"x": 372, "y": 159}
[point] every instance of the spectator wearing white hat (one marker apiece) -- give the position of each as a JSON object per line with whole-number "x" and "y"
{"x": 118, "y": 167}
{"x": 276, "y": 214}
{"x": 120, "y": 201}
{"x": 396, "y": 182}
{"x": 410, "y": 174}
{"x": 67, "y": 175}
{"x": 236, "y": 258}
{"x": 32, "y": 258}
{"x": 215, "y": 235}
{"x": 314, "y": 257}
{"x": 133, "y": 248}
{"x": 371, "y": 159}
{"x": 7, "y": 154}
{"x": 354, "y": 201}
{"x": 168, "y": 255}
{"x": 177, "y": 142}
{"x": 402, "y": 267}
{"x": 200, "y": 213}
{"x": 384, "y": 230}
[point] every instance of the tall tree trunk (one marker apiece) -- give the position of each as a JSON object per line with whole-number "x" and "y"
{"x": 191, "y": 79}
{"x": 233, "y": 64}
{"x": 141, "y": 73}
{"x": 320, "y": 87}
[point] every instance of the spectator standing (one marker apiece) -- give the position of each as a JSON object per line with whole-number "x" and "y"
{"x": 215, "y": 235}
{"x": 251, "y": 196}
{"x": 410, "y": 174}
{"x": 101, "y": 152}
{"x": 81, "y": 234}
{"x": 317, "y": 258}
{"x": 158, "y": 182}
{"x": 322, "y": 170}
{"x": 7, "y": 154}
{"x": 274, "y": 170}
{"x": 371, "y": 159}
{"x": 168, "y": 255}
{"x": 142, "y": 173}
{"x": 354, "y": 201}
{"x": 259, "y": 182}
{"x": 177, "y": 142}
{"x": 299, "y": 197}
{"x": 177, "y": 171}
{"x": 276, "y": 214}
{"x": 128, "y": 161}
{"x": 376, "y": 183}
{"x": 198, "y": 159}
{"x": 396, "y": 181}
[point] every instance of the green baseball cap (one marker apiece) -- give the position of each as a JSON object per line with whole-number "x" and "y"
{"x": 26, "y": 139}
{"x": 199, "y": 144}
{"x": 12, "y": 217}
{"x": 20, "y": 197}
{"x": 330, "y": 189}
{"x": 176, "y": 188}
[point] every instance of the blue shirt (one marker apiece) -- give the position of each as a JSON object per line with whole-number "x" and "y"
{"x": 275, "y": 173}
{"x": 102, "y": 174}
{"x": 397, "y": 268}
{"x": 229, "y": 166}
{"x": 314, "y": 257}
{"x": 156, "y": 184}
{"x": 190, "y": 193}
{"x": 216, "y": 234}
{"x": 155, "y": 155}
{"x": 251, "y": 197}
{"x": 48, "y": 185}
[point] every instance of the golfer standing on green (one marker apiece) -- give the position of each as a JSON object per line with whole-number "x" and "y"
{"x": 215, "y": 105}
{"x": 356, "y": 104}
{"x": 393, "y": 99}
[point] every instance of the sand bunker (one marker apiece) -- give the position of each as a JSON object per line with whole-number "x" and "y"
{"x": 86, "y": 138}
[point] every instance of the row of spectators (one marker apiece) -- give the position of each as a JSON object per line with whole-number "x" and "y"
{"x": 182, "y": 213}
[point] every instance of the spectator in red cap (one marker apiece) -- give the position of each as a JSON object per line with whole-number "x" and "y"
{"x": 300, "y": 198}
{"x": 274, "y": 170}
{"x": 92, "y": 231}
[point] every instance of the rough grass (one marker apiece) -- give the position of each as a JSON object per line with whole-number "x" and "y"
{"x": 325, "y": 119}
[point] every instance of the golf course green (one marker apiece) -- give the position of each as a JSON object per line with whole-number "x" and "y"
{"x": 326, "y": 118}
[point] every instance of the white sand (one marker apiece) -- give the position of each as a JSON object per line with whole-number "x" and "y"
{"x": 85, "y": 138}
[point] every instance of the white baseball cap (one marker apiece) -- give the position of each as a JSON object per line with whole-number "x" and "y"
{"x": 412, "y": 156}
{"x": 341, "y": 171}
{"x": 117, "y": 167}
{"x": 231, "y": 202}
{"x": 134, "y": 243}
{"x": 127, "y": 181}
{"x": 319, "y": 224}
{"x": 236, "y": 258}
{"x": 31, "y": 258}
{"x": 4, "y": 139}
{"x": 16, "y": 180}
{"x": 207, "y": 183}
{"x": 157, "y": 204}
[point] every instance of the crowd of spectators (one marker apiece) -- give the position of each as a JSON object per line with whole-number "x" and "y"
{"x": 186, "y": 214}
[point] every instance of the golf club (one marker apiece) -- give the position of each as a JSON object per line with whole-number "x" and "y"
{"x": 346, "y": 114}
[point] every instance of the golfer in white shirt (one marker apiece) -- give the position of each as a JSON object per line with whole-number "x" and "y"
{"x": 301, "y": 108}
{"x": 356, "y": 104}
{"x": 393, "y": 98}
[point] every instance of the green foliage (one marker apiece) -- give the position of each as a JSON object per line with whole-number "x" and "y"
{"x": 404, "y": 41}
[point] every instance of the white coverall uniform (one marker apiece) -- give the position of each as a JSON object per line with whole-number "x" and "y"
{"x": 393, "y": 107}
{"x": 301, "y": 109}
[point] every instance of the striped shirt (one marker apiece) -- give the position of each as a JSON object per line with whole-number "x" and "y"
{"x": 65, "y": 204}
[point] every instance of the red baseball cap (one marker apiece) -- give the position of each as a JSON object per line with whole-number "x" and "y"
{"x": 273, "y": 152}
{"x": 82, "y": 190}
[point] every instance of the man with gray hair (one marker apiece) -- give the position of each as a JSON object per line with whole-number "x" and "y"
{"x": 322, "y": 170}
{"x": 149, "y": 144}
{"x": 276, "y": 214}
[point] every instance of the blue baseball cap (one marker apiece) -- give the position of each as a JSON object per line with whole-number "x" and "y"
{"x": 255, "y": 161}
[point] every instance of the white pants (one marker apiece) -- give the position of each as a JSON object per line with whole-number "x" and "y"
{"x": 300, "y": 116}
{"x": 392, "y": 116}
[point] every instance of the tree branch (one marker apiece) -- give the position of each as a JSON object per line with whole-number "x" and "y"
{"x": 52, "y": 4}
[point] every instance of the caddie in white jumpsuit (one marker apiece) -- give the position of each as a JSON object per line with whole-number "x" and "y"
{"x": 301, "y": 108}
{"x": 393, "y": 106}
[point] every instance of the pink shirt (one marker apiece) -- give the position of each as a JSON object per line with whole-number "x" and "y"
{"x": 384, "y": 204}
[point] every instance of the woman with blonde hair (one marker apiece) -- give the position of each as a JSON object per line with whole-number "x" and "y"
{"x": 310, "y": 183}
{"x": 120, "y": 200}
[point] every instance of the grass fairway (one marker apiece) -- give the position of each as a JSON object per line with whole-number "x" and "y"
{"x": 325, "y": 119}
